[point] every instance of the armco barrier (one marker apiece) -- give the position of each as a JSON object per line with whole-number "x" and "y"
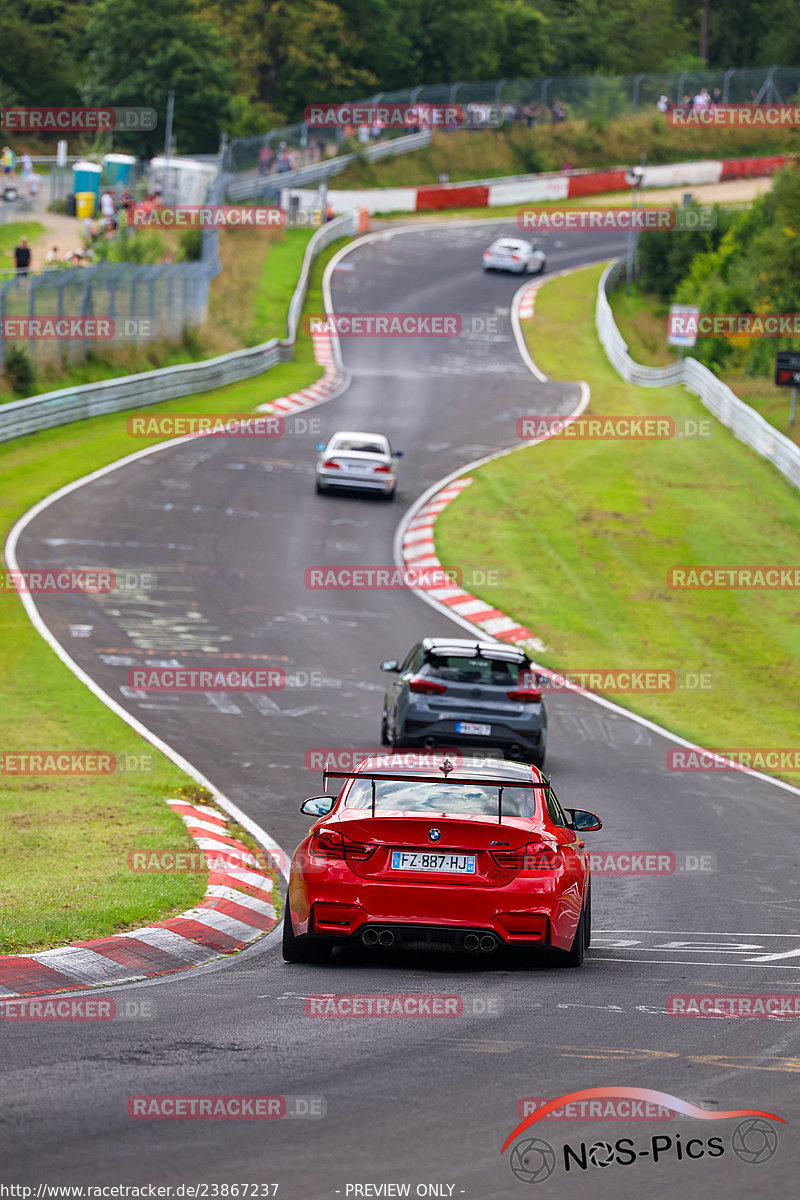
{"x": 152, "y": 387}
{"x": 744, "y": 423}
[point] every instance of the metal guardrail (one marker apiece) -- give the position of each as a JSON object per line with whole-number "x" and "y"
{"x": 257, "y": 186}
{"x": 21, "y": 417}
{"x": 745, "y": 423}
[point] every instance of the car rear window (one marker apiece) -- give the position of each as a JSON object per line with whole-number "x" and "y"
{"x": 507, "y": 246}
{"x": 456, "y": 668}
{"x": 346, "y": 444}
{"x": 458, "y": 799}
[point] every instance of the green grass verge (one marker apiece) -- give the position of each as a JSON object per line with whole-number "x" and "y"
{"x": 641, "y": 318}
{"x": 248, "y": 303}
{"x": 10, "y": 238}
{"x": 63, "y": 854}
{"x": 584, "y": 533}
{"x": 469, "y": 154}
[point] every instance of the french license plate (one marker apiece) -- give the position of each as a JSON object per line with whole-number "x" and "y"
{"x": 471, "y": 727}
{"x": 419, "y": 860}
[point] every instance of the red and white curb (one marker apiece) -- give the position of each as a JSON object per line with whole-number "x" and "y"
{"x": 332, "y": 381}
{"x": 236, "y": 909}
{"x": 419, "y": 553}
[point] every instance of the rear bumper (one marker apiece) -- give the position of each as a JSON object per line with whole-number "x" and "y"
{"x": 519, "y": 913}
{"x": 530, "y": 737}
{"x": 350, "y": 481}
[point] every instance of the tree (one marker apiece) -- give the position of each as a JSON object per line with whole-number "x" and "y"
{"x": 141, "y": 49}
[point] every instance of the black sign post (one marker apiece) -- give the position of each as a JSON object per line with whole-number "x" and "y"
{"x": 787, "y": 374}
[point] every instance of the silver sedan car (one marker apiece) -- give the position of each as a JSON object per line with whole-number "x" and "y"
{"x": 514, "y": 254}
{"x": 358, "y": 461}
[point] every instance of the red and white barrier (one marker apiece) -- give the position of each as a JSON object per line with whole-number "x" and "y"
{"x": 536, "y": 189}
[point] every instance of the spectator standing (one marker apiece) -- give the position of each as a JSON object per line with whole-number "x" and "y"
{"x": 34, "y": 183}
{"x": 8, "y": 159}
{"x": 363, "y": 134}
{"x": 26, "y": 162}
{"x": 108, "y": 209}
{"x": 22, "y": 258}
{"x": 662, "y": 104}
{"x": 52, "y": 259}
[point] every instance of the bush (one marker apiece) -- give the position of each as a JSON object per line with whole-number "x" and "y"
{"x": 19, "y": 371}
{"x": 191, "y": 246}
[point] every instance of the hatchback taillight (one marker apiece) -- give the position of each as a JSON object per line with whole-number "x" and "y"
{"x": 383, "y": 470}
{"x": 331, "y": 465}
{"x": 526, "y": 695}
{"x": 428, "y": 687}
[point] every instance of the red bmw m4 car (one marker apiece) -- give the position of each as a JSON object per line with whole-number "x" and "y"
{"x": 467, "y": 857}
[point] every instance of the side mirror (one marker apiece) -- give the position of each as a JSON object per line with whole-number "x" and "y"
{"x": 320, "y": 445}
{"x": 391, "y": 664}
{"x": 397, "y": 454}
{"x": 317, "y": 806}
{"x": 584, "y": 821}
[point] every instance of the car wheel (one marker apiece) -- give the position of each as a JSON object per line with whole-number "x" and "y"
{"x": 587, "y": 917}
{"x": 302, "y": 950}
{"x": 389, "y": 496}
{"x": 574, "y": 956}
{"x": 537, "y": 760}
{"x": 384, "y": 732}
{"x": 320, "y": 489}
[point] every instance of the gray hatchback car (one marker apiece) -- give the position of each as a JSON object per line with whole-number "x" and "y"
{"x": 457, "y": 691}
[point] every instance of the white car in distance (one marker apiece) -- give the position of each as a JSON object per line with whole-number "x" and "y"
{"x": 358, "y": 462}
{"x": 514, "y": 254}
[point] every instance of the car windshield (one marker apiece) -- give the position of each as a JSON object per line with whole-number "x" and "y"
{"x": 457, "y": 668}
{"x": 456, "y": 798}
{"x": 362, "y": 445}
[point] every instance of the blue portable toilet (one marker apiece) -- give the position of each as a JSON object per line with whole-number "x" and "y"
{"x": 118, "y": 170}
{"x": 86, "y": 177}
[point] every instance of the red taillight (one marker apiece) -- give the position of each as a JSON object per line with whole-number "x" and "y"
{"x": 428, "y": 687}
{"x": 327, "y": 843}
{"x": 540, "y": 857}
{"x": 383, "y": 470}
{"x": 357, "y": 851}
{"x": 509, "y": 860}
{"x": 330, "y": 464}
{"x": 526, "y": 695}
{"x": 516, "y": 257}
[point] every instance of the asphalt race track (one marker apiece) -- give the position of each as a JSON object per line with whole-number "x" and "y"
{"x": 229, "y": 527}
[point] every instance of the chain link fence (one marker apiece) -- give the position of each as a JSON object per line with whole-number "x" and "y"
{"x": 56, "y": 315}
{"x": 491, "y": 103}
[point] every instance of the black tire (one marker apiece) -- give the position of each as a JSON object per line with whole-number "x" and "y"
{"x": 320, "y": 490}
{"x": 537, "y": 760}
{"x": 385, "y": 741}
{"x": 574, "y": 956}
{"x": 587, "y": 917}
{"x": 302, "y": 950}
{"x": 389, "y": 496}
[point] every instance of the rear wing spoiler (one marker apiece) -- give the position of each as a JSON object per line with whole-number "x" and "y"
{"x": 500, "y": 784}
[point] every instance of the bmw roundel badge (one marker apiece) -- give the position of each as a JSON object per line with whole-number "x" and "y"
{"x": 434, "y": 834}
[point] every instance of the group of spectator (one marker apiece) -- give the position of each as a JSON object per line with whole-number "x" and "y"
{"x": 29, "y": 180}
{"x": 703, "y": 101}
{"x": 270, "y": 163}
{"x": 483, "y": 116}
